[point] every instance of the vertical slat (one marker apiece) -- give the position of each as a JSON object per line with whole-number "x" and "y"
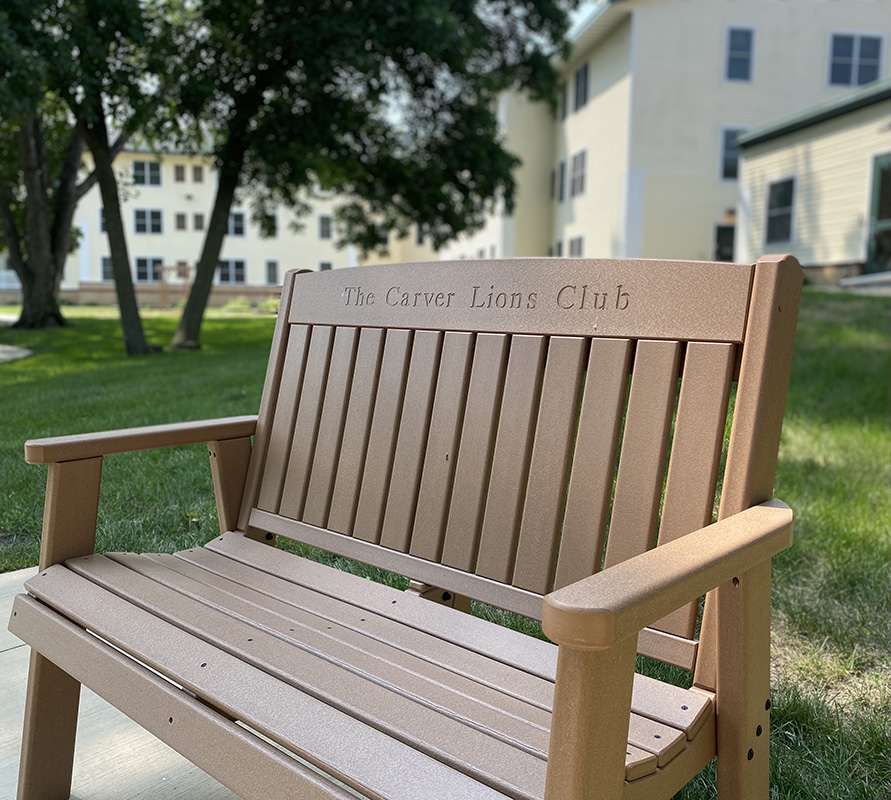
{"x": 283, "y": 420}
{"x": 356, "y": 431}
{"x": 413, "y": 429}
{"x": 695, "y": 455}
{"x": 442, "y": 446}
{"x": 549, "y": 469}
{"x": 651, "y": 402}
{"x": 331, "y": 427}
{"x": 382, "y": 437}
{"x": 475, "y": 451}
{"x": 306, "y": 425}
{"x": 268, "y": 404}
{"x": 594, "y": 464}
{"x": 510, "y": 462}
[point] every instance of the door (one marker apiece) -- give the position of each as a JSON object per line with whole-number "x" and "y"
{"x": 724, "y": 242}
{"x": 878, "y": 257}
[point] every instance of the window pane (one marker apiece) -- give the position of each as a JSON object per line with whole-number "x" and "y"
{"x": 842, "y": 46}
{"x": 179, "y": 173}
{"x": 840, "y": 74}
{"x": 730, "y": 155}
{"x": 870, "y": 47}
{"x": 740, "y": 40}
{"x": 780, "y": 195}
{"x": 779, "y": 228}
{"x": 738, "y": 68}
{"x": 867, "y": 73}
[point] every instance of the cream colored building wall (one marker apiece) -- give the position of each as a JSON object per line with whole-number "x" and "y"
{"x": 832, "y": 164}
{"x": 528, "y": 130}
{"x": 600, "y": 128}
{"x": 682, "y": 102}
{"x": 303, "y": 249}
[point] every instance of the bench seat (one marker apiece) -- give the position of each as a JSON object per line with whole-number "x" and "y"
{"x": 358, "y": 669}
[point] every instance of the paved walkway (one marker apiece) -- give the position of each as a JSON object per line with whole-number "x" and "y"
{"x": 7, "y": 351}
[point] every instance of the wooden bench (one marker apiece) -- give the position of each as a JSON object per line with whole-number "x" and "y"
{"x": 498, "y": 430}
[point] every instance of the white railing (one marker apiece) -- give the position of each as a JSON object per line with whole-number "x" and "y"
{"x": 9, "y": 280}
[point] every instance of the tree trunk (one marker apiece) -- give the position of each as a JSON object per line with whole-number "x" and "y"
{"x": 96, "y": 137}
{"x": 188, "y": 332}
{"x": 37, "y": 273}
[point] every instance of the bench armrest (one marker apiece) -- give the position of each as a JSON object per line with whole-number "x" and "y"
{"x": 597, "y": 612}
{"x": 104, "y": 443}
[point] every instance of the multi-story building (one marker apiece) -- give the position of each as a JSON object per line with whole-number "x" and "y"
{"x": 640, "y": 160}
{"x": 166, "y": 203}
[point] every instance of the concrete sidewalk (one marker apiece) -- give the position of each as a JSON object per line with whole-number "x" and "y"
{"x": 114, "y": 756}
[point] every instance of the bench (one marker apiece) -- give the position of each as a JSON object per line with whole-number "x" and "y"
{"x": 517, "y": 432}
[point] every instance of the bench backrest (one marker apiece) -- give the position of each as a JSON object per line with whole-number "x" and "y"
{"x": 503, "y": 428}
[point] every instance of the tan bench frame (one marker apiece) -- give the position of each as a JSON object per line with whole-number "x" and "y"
{"x": 595, "y": 620}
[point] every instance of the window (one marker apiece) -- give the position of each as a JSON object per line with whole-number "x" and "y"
{"x": 740, "y": 46}
{"x": 148, "y": 270}
{"x": 561, "y": 181}
{"x": 558, "y": 248}
{"x": 563, "y": 109}
{"x": 198, "y": 222}
{"x": 103, "y": 226}
{"x": 236, "y": 224}
{"x": 272, "y": 273}
{"x": 182, "y": 270}
{"x": 180, "y": 222}
{"x": 147, "y": 221}
{"x": 197, "y": 173}
{"x": 231, "y": 271}
{"x": 855, "y": 59}
{"x": 780, "y": 200}
{"x": 107, "y": 269}
{"x": 179, "y": 173}
{"x": 481, "y": 253}
{"x": 581, "y": 86}
{"x": 419, "y": 235}
{"x": 146, "y": 173}
{"x": 576, "y": 247}
{"x": 324, "y": 226}
{"x": 729, "y": 153}
{"x": 324, "y": 266}
{"x": 577, "y": 181}
{"x": 724, "y": 242}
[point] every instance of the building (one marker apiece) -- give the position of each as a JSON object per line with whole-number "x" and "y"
{"x": 818, "y": 185}
{"x": 166, "y": 203}
{"x": 642, "y": 160}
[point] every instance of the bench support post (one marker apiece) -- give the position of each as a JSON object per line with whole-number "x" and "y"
{"x": 589, "y": 728}
{"x": 69, "y": 530}
{"x": 743, "y": 686}
{"x": 229, "y": 465}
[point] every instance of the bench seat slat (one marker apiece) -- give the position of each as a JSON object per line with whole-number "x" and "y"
{"x": 398, "y": 625}
{"x": 464, "y": 645}
{"x": 360, "y": 653}
{"x": 333, "y": 741}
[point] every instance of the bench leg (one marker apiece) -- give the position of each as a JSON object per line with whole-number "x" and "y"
{"x": 589, "y": 727}
{"x": 50, "y": 725}
{"x": 743, "y": 686}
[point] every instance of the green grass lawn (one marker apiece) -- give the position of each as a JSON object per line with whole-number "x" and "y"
{"x": 831, "y": 714}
